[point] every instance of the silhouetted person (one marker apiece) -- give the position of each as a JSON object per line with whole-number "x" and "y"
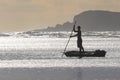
{"x": 79, "y": 39}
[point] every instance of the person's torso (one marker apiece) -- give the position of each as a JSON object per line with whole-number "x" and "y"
{"x": 79, "y": 35}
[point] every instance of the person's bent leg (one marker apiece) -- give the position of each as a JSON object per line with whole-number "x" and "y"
{"x": 80, "y": 55}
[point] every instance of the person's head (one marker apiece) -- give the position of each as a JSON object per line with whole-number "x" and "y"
{"x": 79, "y": 27}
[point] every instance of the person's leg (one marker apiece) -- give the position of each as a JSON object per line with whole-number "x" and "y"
{"x": 80, "y": 55}
{"x": 82, "y": 49}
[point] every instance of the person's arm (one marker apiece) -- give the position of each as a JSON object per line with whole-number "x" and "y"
{"x": 74, "y": 28}
{"x": 73, "y": 35}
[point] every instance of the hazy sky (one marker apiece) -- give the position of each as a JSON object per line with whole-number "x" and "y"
{"x": 24, "y": 15}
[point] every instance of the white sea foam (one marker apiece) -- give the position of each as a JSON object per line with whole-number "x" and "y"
{"x": 60, "y": 34}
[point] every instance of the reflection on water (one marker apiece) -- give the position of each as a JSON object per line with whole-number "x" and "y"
{"x": 42, "y": 48}
{"x": 60, "y": 74}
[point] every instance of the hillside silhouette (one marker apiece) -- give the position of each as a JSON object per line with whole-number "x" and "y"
{"x": 96, "y": 20}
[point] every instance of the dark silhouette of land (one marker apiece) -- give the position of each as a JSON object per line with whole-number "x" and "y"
{"x": 96, "y": 20}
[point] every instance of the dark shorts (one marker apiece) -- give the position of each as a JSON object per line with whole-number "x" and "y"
{"x": 79, "y": 43}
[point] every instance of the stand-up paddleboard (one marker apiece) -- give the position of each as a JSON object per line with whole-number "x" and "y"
{"x": 96, "y": 53}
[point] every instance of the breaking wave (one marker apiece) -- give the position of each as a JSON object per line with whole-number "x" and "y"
{"x": 105, "y": 34}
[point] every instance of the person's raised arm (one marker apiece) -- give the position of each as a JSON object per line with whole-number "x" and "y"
{"x": 74, "y": 28}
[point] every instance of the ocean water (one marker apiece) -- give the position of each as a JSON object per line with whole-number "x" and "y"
{"x": 61, "y": 73}
{"x": 45, "y": 49}
{"x": 34, "y": 57}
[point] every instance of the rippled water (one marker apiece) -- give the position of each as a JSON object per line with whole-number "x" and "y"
{"x": 49, "y": 50}
{"x": 37, "y": 48}
{"x": 40, "y": 58}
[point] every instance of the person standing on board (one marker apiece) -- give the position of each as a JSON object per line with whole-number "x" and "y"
{"x": 79, "y": 38}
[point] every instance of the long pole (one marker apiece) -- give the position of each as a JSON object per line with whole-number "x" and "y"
{"x": 68, "y": 40}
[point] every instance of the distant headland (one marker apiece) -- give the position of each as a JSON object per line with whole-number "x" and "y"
{"x": 92, "y": 20}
